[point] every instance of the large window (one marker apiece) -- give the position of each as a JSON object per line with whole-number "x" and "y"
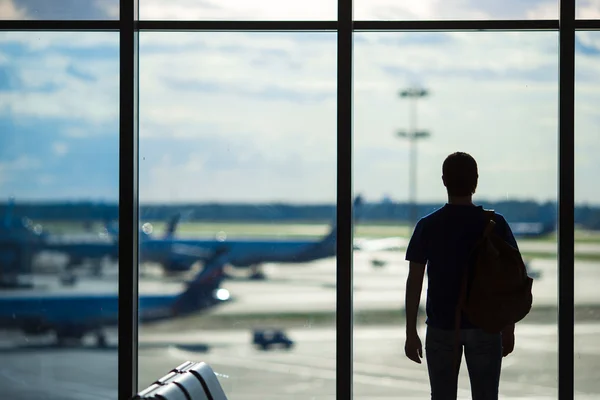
{"x": 59, "y": 155}
{"x": 271, "y": 161}
{"x": 230, "y": 136}
{"x": 493, "y": 95}
{"x": 587, "y": 253}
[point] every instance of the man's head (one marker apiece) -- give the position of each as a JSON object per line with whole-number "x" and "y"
{"x": 459, "y": 174}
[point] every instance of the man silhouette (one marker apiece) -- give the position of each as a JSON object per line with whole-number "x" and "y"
{"x": 443, "y": 240}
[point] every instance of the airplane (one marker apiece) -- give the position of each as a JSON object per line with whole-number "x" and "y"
{"x": 525, "y": 230}
{"x": 21, "y": 232}
{"x": 179, "y": 254}
{"x": 71, "y": 313}
{"x": 532, "y": 229}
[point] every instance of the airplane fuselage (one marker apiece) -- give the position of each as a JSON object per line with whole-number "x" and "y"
{"x": 73, "y": 312}
{"x": 241, "y": 253}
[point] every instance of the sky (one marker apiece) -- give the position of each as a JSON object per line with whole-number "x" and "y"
{"x": 251, "y": 117}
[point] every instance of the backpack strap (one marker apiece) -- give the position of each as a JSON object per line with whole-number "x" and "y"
{"x": 491, "y": 217}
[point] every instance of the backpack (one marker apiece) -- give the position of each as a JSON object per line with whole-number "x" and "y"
{"x": 496, "y": 290}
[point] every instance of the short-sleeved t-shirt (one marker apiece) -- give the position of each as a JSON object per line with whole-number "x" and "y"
{"x": 443, "y": 240}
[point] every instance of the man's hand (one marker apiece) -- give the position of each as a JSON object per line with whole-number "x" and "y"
{"x": 508, "y": 342}
{"x": 413, "y": 348}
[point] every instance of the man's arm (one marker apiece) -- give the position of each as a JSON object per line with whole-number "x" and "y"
{"x": 414, "y": 286}
{"x": 416, "y": 255}
{"x": 413, "y": 347}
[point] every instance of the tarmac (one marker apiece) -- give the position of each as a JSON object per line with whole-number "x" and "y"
{"x": 31, "y": 369}
{"x": 307, "y": 371}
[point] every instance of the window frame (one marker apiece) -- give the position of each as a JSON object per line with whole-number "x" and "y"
{"x": 128, "y": 25}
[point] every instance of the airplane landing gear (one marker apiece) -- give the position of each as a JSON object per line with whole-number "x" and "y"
{"x": 101, "y": 340}
{"x": 256, "y": 273}
{"x": 68, "y": 278}
{"x": 64, "y": 338}
{"x": 96, "y": 268}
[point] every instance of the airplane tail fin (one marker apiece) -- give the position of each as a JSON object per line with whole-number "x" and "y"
{"x": 172, "y": 226}
{"x": 10, "y": 207}
{"x": 204, "y": 290}
{"x": 358, "y": 208}
{"x": 328, "y": 244}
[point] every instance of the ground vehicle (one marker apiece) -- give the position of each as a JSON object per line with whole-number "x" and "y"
{"x": 266, "y": 338}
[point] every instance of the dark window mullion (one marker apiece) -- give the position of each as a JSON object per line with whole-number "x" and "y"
{"x": 344, "y": 210}
{"x": 587, "y": 24}
{"x": 238, "y": 25}
{"x": 566, "y": 200}
{"x": 59, "y": 25}
{"x": 128, "y": 203}
{"x": 207, "y": 25}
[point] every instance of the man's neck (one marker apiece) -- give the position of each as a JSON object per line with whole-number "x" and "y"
{"x": 461, "y": 200}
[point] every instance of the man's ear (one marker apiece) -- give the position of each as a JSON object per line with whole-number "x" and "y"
{"x": 444, "y": 180}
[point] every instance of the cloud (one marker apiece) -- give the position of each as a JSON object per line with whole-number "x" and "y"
{"x": 60, "y": 149}
{"x": 327, "y": 9}
{"x": 10, "y": 11}
{"x": 110, "y": 8}
{"x": 587, "y": 9}
{"x": 60, "y": 75}
{"x": 450, "y": 9}
{"x": 238, "y": 10}
{"x": 46, "y": 179}
{"x": 252, "y": 116}
{"x": 10, "y": 169}
{"x": 273, "y": 92}
{"x": 213, "y": 174}
{"x": 585, "y": 45}
{"x": 63, "y": 9}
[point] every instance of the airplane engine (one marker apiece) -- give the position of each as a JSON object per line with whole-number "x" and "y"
{"x": 175, "y": 267}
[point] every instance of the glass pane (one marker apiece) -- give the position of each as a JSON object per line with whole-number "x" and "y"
{"x": 59, "y": 9}
{"x": 238, "y": 10}
{"x": 587, "y": 215}
{"x": 494, "y": 96}
{"x": 587, "y": 9}
{"x": 411, "y": 10}
{"x": 237, "y": 194}
{"x": 59, "y": 166}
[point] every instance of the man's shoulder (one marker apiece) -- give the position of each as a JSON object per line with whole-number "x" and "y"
{"x": 432, "y": 216}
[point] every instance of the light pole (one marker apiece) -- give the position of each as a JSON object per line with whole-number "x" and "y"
{"x": 413, "y": 135}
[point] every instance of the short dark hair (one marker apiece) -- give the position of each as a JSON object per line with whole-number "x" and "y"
{"x": 460, "y": 174}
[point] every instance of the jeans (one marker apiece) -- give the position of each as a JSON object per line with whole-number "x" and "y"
{"x": 483, "y": 353}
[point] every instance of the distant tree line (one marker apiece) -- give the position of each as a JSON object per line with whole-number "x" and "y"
{"x": 389, "y": 212}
